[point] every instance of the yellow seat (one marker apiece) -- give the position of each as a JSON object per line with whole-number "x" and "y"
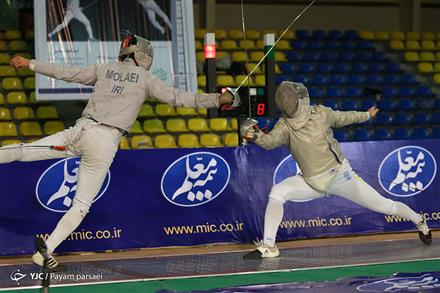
{"x": 136, "y": 128}
{"x": 437, "y": 78}
{"x": 30, "y": 129}
{"x": 239, "y": 56}
{"x": 202, "y": 111}
{"x": 218, "y": 124}
{"x": 427, "y": 56}
{"x": 47, "y": 112}
{"x": 251, "y": 66}
{"x": 32, "y": 98}
{"x": 259, "y": 44}
{"x": 283, "y": 45}
{"x": 146, "y": 111}
{"x": 176, "y": 125}
{"x": 12, "y": 35}
{"x": 236, "y": 34}
{"x": 184, "y": 111}
{"x": 252, "y": 35}
{"x": 4, "y": 58}
{"x": 437, "y": 67}
{"x": 411, "y": 56}
{"x": 123, "y": 143}
{"x": 229, "y": 45}
{"x": 278, "y": 69}
{"x": 11, "y": 83}
{"x": 201, "y": 80}
{"x": 289, "y": 35}
{"x": 428, "y": 45}
{"x": 413, "y": 36}
{"x": 5, "y": 114}
{"x": 367, "y": 35}
{"x": 52, "y": 127}
{"x": 412, "y": 45}
{"x": 233, "y": 124}
{"x": 239, "y": 79}
{"x": 153, "y": 126}
{"x": 8, "y": 129}
{"x": 141, "y": 142}
{"x": 220, "y": 34}
{"x": 397, "y": 36}
{"x": 6, "y": 70}
{"x": 425, "y": 67}
{"x": 165, "y": 141}
{"x": 437, "y": 56}
{"x": 256, "y": 56}
{"x": 29, "y": 35}
{"x": 2, "y": 99}
{"x": 188, "y": 140}
{"x": 29, "y": 83}
{"x": 260, "y": 80}
{"x": 397, "y": 45}
{"x": 10, "y": 141}
{"x": 231, "y": 139}
{"x": 17, "y": 46}
{"x": 280, "y": 57}
{"x": 225, "y": 80}
{"x": 24, "y": 113}
{"x": 165, "y": 110}
{"x": 248, "y": 44}
{"x": 381, "y": 35}
{"x": 200, "y": 33}
{"x": 210, "y": 140}
{"x": 25, "y": 72}
{"x": 429, "y": 36}
{"x": 198, "y": 124}
{"x": 3, "y": 46}
{"x": 16, "y": 98}
{"x": 200, "y": 56}
{"x": 198, "y": 45}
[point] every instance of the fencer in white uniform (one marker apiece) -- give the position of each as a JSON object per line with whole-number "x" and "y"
{"x": 120, "y": 90}
{"x": 152, "y": 9}
{"x": 73, "y": 10}
{"x": 307, "y": 130}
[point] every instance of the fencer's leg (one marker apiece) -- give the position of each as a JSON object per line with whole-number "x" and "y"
{"x": 67, "y": 18}
{"x": 154, "y": 7}
{"x": 84, "y": 20}
{"x": 152, "y": 17}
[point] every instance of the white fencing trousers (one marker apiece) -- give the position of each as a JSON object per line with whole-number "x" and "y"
{"x": 345, "y": 183}
{"x": 80, "y": 16}
{"x": 97, "y": 146}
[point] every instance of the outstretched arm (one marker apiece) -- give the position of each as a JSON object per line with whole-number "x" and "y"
{"x": 167, "y": 94}
{"x": 86, "y": 75}
{"x": 278, "y": 136}
{"x": 344, "y": 118}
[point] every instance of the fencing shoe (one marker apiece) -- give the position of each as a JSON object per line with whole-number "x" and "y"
{"x": 263, "y": 251}
{"x": 43, "y": 255}
{"x": 424, "y": 233}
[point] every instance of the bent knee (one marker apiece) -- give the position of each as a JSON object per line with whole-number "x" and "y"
{"x": 278, "y": 194}
{"x": 82, "y": 208}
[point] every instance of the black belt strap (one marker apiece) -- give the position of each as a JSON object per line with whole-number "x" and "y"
{"x": 124, "y": 132}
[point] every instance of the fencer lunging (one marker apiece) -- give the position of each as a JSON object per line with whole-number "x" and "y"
{"x": 73, "y": 10}
{"x": 120, "y": 91}
{"x": 151, "y": 8}
{"x": 307, "y": 130}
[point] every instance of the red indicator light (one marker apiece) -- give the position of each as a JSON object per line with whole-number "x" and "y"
{"x": 210, "y": 52}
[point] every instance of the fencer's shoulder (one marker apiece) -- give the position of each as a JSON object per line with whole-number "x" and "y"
{"x": 320, "y": 109}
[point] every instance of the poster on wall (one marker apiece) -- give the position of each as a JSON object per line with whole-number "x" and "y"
{"x": 83, "y": 33}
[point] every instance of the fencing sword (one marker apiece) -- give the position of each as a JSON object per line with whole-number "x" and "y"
{"x": 52, "y": 147}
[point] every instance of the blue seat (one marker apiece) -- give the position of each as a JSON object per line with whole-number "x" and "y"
{"x": 329, "y": 56}
{"x": 301, "y": 78}
{"x": 424, "y": 91}
{"x": 298, "y": 44}
{"x": 376, "y": 67}
{"x": 383, "y": 118}
{"x": 437, "y": 104}
{"x": 319, "y": 79}
{"x": 426, "y": 104}
{"x": 374, "y": 79}
{"x": 436, "y": 118}
{"x": 335, "y": 35}
{"x": 402, "y": 118}
{"x": 280, "y": 78}
{"x": 364, "y": 56}
{"x": 325, "y": 67}
{"x": 393, "y": 67}
{"x": 316, "y": 92}
{"x": 341, "y": 67}
{"x": 379, "y": 56}
{"x": 349, "y": 45}
{"x": 421, "y": 133}
{"x": 406, "y": 91}
{"x": 388, "y": 105}
{"x": 353, "y": 92}
{"x": 334, "y": 92}
{"x": 350, "y": 105}
{"x": 408, "y": 78}
{"x": 391, "y": 78}
{"x": 389, "y": 91}
{"x": 362, "y": 134}
{"x": 288, "y": 67}
{"x": 312, "y": 56}
{"x": 333, "y": 45}
{"x": 338, "y": 79}
{"x": 315, "y": 44}
{"x": 295, "y": 56}
{"x": 407, "y": 104}
{"x": 319, "y": 34}
{"x": 332, "y": 104}
{"x": 306, "y": 68}
{"x": 421, "y": 118}
{"x": 383, "y": 133}
{"x": 402, "y": 133}
{"x": 302, "y": 34}
{"x": 367, "y": 104}
{"x": 365, "y": 45}
{"x": 436, "y": 132}
{"x": 346, "y": 56}
{"x": 351, "y": 35}
{"x": 358, "y": 67}
{"x": 340, "y": 135}
{"x": 356, "y": 79}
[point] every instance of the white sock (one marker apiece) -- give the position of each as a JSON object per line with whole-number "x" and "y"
{"x": 272, "y": 219}
{"x": 404, "y": 211}
{"x": 68, "y": 223}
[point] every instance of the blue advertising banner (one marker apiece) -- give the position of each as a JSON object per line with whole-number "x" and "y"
{"x": 178, "y": 197}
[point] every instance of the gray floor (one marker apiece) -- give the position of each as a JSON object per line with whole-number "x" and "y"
{"x": 227, "y": 263}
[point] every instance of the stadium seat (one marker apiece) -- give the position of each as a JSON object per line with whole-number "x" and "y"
{"x": 4, "y": 58}
{"x": 426, "y": 104}
{"x": 218, "y": 124}
{"x": 428, "y": 45}
{"x": 436, "y": 132}
{"x": 383, "y": 134}
{"x": 5, "y": 114}
{"x": 412, "y": 45}
{"x": 18, "y": 46}
{"x": 210, "y": 140}
{"x": 124, "y": 144}
{"x": 406, "y": 91}
{"x": 252, "y": 35}
{"x": 383, "y": 118}
{"x": 165, "y": 141}
{"x": 402, "y": 118}
{"x": 319, "y": 79}
{"x": 421, "y": 133}
{"x": 51, "y": 127}
{"x": 251, "y": 66}
{"x": 337, "y": 79}
{"x": 176, "y": 125}
{"x": 260, "y": 80}
{"x": 200, "y": 56}
{"x": 334, "y": 92}
{"x": 306, "y": 68}
{"x": 424, "y": 91}
{"x": 340, "y": 135}
{"x": 335, "y": 35}
{"x": 29, "y": 83}
{"x": 389, "y": 91}
{"x": 200, "y": 33}
{"x": 402, "y": 133}
{"x": 47, "y": 112}
{"x": 436, "y": 118}
{"x": 351, "y": 35}
{"x": 341, "y": 67}
{"x": 412, "y": 35}
{"x": 8, "y": 129}
{"x": 23, "y": 113}
{"x": 437, "y": 67}
{"x": 437, "y": 78}
{"x": 6, "y": 70}
{"x": 229, "y": 45}
{"x": 16, "y": 98}
{"x": 30, "y": 129}
{"x": 367, "y": 35}
{"x": 141, "y": 142}
{"x": 362, "y": 134}
{"x": 10, "y": 141}
{"x": 225, "y": 80}
{"x": 354, "y": 92}
{"x": 239, "y": 79}
{"x": 427, "y": 56}
{"x": 427, "y": 36}
{"x": 381, "y": 35}
{"x": 198, "y": 124}
{"x": 397, "y": 35}
{"x": 410, "y": 56}
{"x": 350, "y": 105}
{"x": 316, "y": 92}
{"x": 283, "y": 45}
{"x": 2, "y": 99}
{"x": 388, "y": 105}
{"x": 247, "y": 44}
{"x": 165, "y": 110}
{"x": 184, "y": 111}
{"x": 202, "y": 111}
{"x": 220, "y": 34}
{"x": 335, "y": 105}
{"x": 348, "y": 56}
{"x": 407, "y": 104}
{"x": 231, "y": 139}
{"x": 153, "y": 126}
{"x": 280, "y": 57}
{"x": 188, "y": 140}
{"x": 232, "y": 124}
{"x": 374, "y": 79}
{"x": 236, "y": 34}
{"x": 367, "y": 104}
{"x": 25, "y": 72}
{"x": 201, "y": 81}
{"x": 289, "y": 35}
{"x": 3, "y": 46}
{"x": 12, "y": 35}
{"x": 239, "y": 56}
{"x": 11, "y": 83}
{"x": 256, "y": 56}
{"x": 408, "y": 78}
{"x": 146, "y": 111}
{"x": 425, "y": 67}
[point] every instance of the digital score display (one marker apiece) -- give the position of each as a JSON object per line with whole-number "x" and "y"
{"x": 257, "y": 99}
